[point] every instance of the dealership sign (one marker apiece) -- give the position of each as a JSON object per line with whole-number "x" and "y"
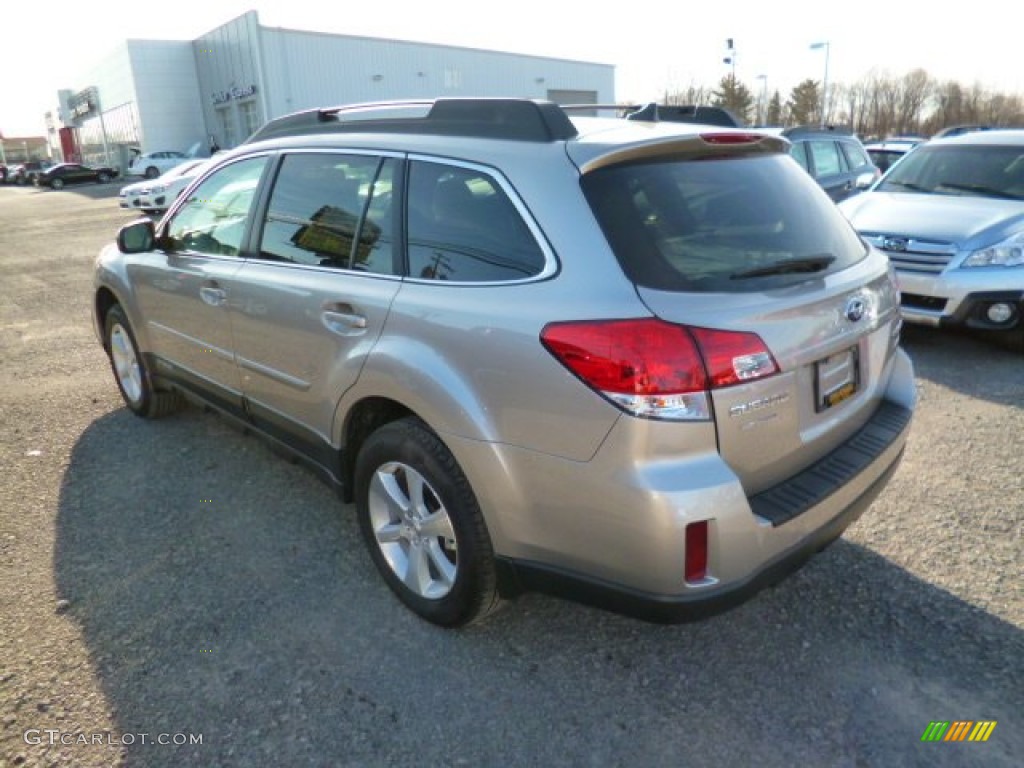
{"x": 238, "y": 92}
{"x": 83, "y": 103}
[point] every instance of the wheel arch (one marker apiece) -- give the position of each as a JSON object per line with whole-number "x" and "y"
{"x": 478, "y": 459}
{"x": 105, "y": 299}
{"x": 361, "y": 420}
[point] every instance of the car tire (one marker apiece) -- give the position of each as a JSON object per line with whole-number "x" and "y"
{"x": 152, "y": 172}
{"x": 103, "y": 178}
{"x": 423, "y": 526}
{"x": 130, "y": 371}
{"x": 56, "y": 183}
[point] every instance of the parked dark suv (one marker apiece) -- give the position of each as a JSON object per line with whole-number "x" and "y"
{"x": 836, "y": 158}
{"x": 645, "y": 364}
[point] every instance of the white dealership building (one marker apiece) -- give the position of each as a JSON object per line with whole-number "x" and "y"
{"x": 156, "y": 95}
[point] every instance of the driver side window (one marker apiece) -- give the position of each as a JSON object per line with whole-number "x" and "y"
{"x": 212, "y": 221}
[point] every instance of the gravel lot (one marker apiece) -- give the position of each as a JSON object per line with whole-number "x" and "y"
{"x": 178, "y": 578}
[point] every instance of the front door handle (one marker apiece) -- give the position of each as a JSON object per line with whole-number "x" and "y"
{"x": 343, "y": 319}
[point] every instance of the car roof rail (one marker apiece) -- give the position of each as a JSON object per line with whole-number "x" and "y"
{"x": 488, "y": 118}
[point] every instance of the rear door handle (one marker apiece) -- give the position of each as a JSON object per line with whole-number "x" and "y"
{"x": 215, "y": 297}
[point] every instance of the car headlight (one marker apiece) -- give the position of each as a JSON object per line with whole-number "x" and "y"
{"x": 1009, "y": 253}
{"x": 158, "y": 189}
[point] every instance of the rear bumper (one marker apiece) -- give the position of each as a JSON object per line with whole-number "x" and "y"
{"x": 611, "y": 531}
{"x": 519, "y": 576}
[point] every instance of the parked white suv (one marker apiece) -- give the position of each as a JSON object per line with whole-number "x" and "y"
{"x": 645, "y": 365}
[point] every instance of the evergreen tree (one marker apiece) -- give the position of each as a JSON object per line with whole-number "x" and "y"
{"x": 774, "y": 113}
{"x": 734, "y": 96}
{"x": 804, "y": 105}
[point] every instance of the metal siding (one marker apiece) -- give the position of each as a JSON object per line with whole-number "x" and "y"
{"x": 166, "y": 92}
{"x": 227, "y": 57}
{"x": 305, "y": 70}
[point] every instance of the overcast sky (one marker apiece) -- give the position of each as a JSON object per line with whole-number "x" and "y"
{"x": 654, "y": 45}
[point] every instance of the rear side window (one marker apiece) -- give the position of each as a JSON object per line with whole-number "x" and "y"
{"x": 825, "y": 155}
{"x": 799, "y": 153}
{"x": 726, "y": 224}
{"x": 332, "y": 210}
{"x": 463, "y": 227}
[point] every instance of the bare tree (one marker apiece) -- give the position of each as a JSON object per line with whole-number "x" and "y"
{"x": 913, "y": 92}
{"x": 692, "y": 94}
{"x": 878, "y": 105}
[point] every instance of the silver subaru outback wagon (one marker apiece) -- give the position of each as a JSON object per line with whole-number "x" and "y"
{"x": 648, "y": 366}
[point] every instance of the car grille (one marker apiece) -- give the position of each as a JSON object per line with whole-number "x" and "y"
{"x": 908, "y": 254}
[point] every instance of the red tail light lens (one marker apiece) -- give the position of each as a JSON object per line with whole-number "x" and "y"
{"x": 656, "y": 369}
{"x": 646, "y": 367}
{"x": 642, "y": 357}
{"x": 696, "y": 567}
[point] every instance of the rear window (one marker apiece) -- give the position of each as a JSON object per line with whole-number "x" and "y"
{"x": 721, "y": 224}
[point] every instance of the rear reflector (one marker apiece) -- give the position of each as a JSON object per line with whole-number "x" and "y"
{"x": 696, "y": 568}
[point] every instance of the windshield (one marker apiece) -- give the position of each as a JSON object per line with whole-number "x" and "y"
{"x": 721, "y": 224}
{"x": 976, "y": 171}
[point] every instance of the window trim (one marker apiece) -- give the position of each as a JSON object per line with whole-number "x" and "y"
{"x": 249, "y": 249}
{"x": 551, "y": 265}
{"x": 263, "y": 205}
{"x": 245, "y": 246}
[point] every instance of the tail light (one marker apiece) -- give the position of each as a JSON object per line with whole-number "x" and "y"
{"x": 655, "y": 369}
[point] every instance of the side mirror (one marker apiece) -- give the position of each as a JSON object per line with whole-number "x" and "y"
{"x": 137, "y": 237}
{"x": 865, "y": 180}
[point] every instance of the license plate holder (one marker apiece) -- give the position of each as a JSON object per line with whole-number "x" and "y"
{"x": 836, "y": 379}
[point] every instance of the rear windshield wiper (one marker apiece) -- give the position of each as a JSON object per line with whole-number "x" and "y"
{"x": 787, "y": 267}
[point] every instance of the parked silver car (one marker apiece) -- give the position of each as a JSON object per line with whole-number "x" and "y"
{"x": 644, "y": 365}
{"x": 950, "y": 216}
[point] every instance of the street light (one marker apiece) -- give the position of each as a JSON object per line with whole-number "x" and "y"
{"x": 824, "y": 83}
